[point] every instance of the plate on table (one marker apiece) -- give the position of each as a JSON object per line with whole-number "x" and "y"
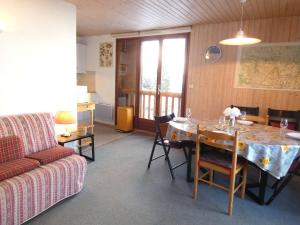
{"x": 221, "y": 132}
{"x": 180, "y": 119}
{"x": 245, "y": 122}
{"x": 220, "y": 127}
{"x": 294, "y": 135}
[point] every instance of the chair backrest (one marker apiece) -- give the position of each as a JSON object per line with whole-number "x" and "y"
{"x": 249, "y": 110}
{"x": 292, "y": 116}
{"x": 220, "y": 141}
{"x": 258, "y": 119}
{"x": 161, "y": 120}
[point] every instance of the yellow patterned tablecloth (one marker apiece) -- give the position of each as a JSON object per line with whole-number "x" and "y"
{"x": 262, "y": 145}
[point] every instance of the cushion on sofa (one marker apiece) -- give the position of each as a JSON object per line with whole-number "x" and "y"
{"x": 11, "y": 148}
{"x": 17, "y": 167}
{"x": 52, "y": 154}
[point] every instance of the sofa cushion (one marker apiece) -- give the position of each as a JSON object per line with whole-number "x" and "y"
{"x": 52, "y": 154}
{"x": 11, "y": 148}
{"x": 17, "y": 167}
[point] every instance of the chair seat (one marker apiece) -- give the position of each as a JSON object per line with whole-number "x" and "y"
{"x": 219, "y": 159}
{"x": 173, "y": 144}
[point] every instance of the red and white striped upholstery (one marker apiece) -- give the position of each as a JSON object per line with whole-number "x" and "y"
{"x": 29, "y": 194}
{"x": 24, "y": 196}
{"x": 36, "y": 130}
{"x": 11, "y": 148}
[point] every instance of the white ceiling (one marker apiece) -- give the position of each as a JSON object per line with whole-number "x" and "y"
{"x": 118, "y": 16}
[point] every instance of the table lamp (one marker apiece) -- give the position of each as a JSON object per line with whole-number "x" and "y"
{"x": 66, "y": 118}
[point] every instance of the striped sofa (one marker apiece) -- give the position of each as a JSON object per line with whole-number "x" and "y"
{"x": 24, "y": 196}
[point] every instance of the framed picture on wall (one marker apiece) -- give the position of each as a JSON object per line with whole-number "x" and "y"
{"x": 105, "y": 54}
{"x": 273, "y": 66}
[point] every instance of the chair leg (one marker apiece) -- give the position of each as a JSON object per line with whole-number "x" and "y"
{"x": 152, "y": 152}
{"x": 168, "y": 151}
{"x": 211, "y": 177}
{"x": 231, "y": 194}
{"x": 196, "y": 177}
{"x": 244, "y": 180}
{"x": 168, "y": 160}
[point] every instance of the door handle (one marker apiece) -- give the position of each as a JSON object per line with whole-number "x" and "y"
{"x": 158, "y": 89}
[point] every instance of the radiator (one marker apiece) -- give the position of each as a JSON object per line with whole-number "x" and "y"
{"x": 104, "y": 113}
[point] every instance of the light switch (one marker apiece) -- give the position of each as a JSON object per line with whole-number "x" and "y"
{"x": 191, "y": 86}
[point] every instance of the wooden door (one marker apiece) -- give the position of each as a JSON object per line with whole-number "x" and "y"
{"x": 162, "y": 78}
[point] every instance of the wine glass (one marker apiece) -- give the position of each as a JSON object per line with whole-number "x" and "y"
{"x": 221, "y": 122}
{"x": 283, "y": 125}
{"x": 188, "y": 113}
{"x": 243, "y": 115}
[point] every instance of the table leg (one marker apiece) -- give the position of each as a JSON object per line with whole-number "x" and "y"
{"x": 93, "y": 148}
{"x": 80, "y": 148}
{"x": 262, "y": 186}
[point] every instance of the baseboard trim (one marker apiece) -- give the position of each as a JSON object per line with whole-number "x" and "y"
{"x": 112, "y": 124}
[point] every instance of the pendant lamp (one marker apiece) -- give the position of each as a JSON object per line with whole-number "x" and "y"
{"x": 241, "y": 38}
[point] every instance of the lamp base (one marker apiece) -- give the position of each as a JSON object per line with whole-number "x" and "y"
{"x": 66, "y": 134}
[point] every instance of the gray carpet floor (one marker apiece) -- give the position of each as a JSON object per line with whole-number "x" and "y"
{"x": 119, "y": 190}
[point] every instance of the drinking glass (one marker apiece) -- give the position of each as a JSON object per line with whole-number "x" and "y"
{"x": 283, "y": 125}
{"x": 243, "y": 115}
{"x": 221, "y": 121}
{"x": 188, "y": 113}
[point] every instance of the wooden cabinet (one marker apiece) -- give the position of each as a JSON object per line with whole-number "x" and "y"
{"x": 81, "y": 58}
{"x": 126, "y": 74}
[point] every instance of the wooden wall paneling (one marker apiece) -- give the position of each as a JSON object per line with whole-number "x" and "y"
{"x": 214, "y": 83}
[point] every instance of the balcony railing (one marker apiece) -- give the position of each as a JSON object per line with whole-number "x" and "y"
{"x": 169, "y": 102}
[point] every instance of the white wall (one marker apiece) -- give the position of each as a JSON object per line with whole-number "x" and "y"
{"x": 105, "y": 76}
{"x": 37, "y": 56}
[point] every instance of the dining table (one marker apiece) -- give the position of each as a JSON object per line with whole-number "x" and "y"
{"x": 267, "y": 148}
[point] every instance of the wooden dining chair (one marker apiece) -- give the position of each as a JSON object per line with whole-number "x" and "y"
{"x": 249, "y": 110}
{"x": 292, "y": 116}
{"x": 166, "y": 144}
{"x": 225, "y": 162}
{"x": 258, "y": 119}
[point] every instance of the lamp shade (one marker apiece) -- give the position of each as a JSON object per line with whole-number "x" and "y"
{"x": 64, "y": 117}
{"x": 240, "y": 39}
{"x": 2, "y": 27}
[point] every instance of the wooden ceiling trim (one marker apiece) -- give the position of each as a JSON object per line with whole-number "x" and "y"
{"x": 194, "y": 16}
{"x": 173, "y": 11}
{"x": 206, "y": 8}
{"x": 107, "y": 16}
{"x": 197, "y": 6}
{"x": 223, "y": 9}
{"x": 150, "y": 14}
{"x": 188, "y": 6}
{"x": 143, "y": 12}
{"x": 234, "y": 9}
{"x": 157, "y": 12}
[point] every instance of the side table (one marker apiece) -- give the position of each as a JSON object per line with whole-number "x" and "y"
{"x": 76, "y": 137}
